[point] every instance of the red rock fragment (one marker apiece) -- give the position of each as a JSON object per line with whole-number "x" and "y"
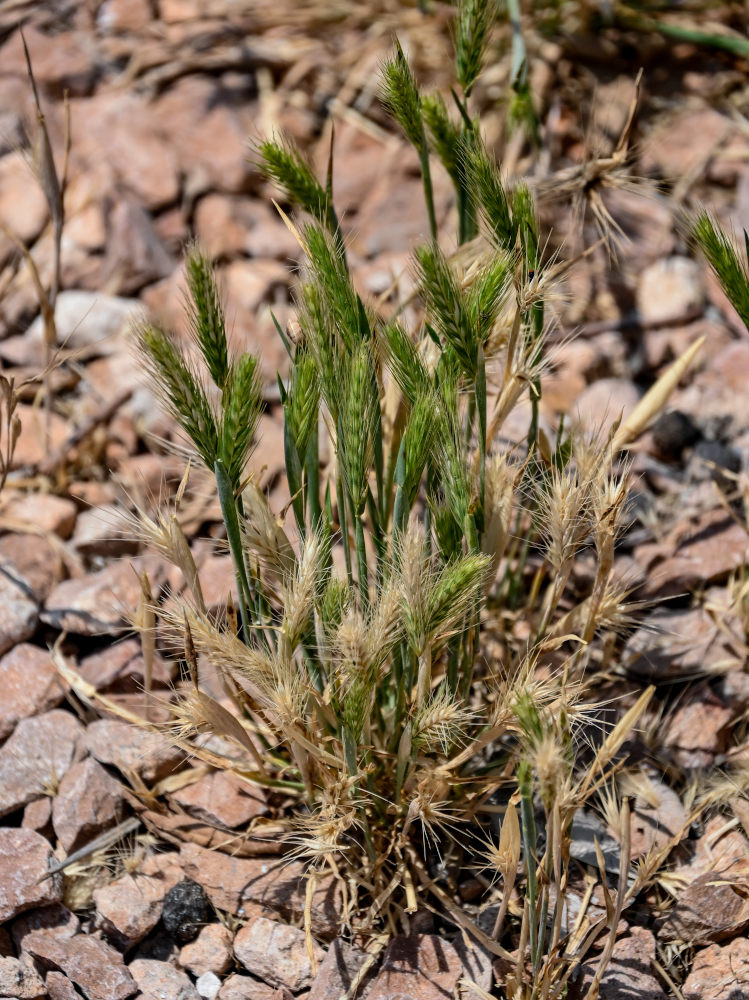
{"x": 88, "y": 801}
{"x": 128, "y": 748}
{"x": 161, "y": 981}
{"x": 276, "y": 953}
{"x": 630, "y": 973}
{"x": 130, "y": 907}
{"x": 25, "y": 858}
{"x": 95, "y": 967}
{"x": 711, "y": 908}
{"x": 719, "y": 973}
{"x": 211, "y": 951}
{"x": 222, "y": 800}
{"x": 30, "y": 685}
{"x": 421, "y": 967}
{"x": 237, "y": 884}
{"x": 59, "y": 987}
{"x": 37, "y": 757}
{"x": 19, "y": 979}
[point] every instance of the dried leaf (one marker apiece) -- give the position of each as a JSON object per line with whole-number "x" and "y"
{"x": 654, "y": 399}
{"x": 222, "y": 721}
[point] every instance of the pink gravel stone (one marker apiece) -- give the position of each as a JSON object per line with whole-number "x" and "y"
{"x": 25, "y": 857}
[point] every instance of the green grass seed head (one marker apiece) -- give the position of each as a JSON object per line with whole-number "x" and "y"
{"x": 206, "y": 315}
{"x": 474, "y": 23}
{"x": 400, "y": 95}
{"x": 283, "y": 163}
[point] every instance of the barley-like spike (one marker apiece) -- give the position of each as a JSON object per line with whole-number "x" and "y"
{"x": 417, "y": 443}
{"x": 283, "y": 163}
{"x": 489, "y": 292}
{"x": 241, "y": 414}
{"x": 441, "y": 723}
{"x": 299, "y": 594}
{"x": 334, "y": 605}
{"x": 401, "y": 97}
{"x": 334, "y": 287}
{"x": 475, "y": 19}
{"x": 445, "y": 136}
{"x": 445, "y": 304}
{"x": 357, "y": 419}
{"x": 320, "y": 332}
{"x": 206, "y": 316}
{"x": 524, "y": 221}
{"x": 452, "y": 458}
{"x": 488, "y": 192}
{"x": 455, "y": 592}
{"x": 181, "y": 390}
{"x": 406, "y": 365}
{"x": 302, "y": 403}
{"x": 731, "y": 267}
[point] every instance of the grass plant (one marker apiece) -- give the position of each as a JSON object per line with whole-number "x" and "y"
{"x": 356, "y": 666}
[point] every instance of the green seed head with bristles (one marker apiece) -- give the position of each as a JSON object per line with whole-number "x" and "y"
{"x": 359, "y": 405}
{"x": 206, "y": 316}
{"x": 444, "y": 134}
{"x": 401, "y": 97}
{"x": 241, "y": 413}
{"x": 474, "y": 22}
{"x": 181, "y": 390}
{"x": 284, "y": 164}
{"x": 730, "y": 265}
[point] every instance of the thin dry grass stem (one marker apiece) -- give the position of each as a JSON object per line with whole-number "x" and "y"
{"x": 145, "y": 623}
{"x": 53, "y": 186}
{"x": 655, "y": 398}
{"x": 613, "y": 912}
{"x": 10, "y": 424}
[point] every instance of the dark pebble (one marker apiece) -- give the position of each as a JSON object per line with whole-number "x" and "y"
{"x": 186, "y": 910}
{"x": 672, "y": 433}
{"x": 160, "y": 946}
{"x": 719, "y": 456}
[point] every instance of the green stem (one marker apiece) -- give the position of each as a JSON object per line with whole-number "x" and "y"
{"x": 426, "y": 176}
{"x": 525, "y": 783}
{"x": 400, "y": 512}
{"x": 400, "y": 507}
{"x": 471, "y": 534}
{"x": 313, "y": 479}
{"x": 470, "y": 417}
{"x": 343, "y": 521}
{"x": 233, "y": 534}
{"x": 453, "y": 663}
{"x": 729, "y": 43}
{"x": 518, "y": 574}
{"x": 519, "y": 57}
{"x": 362, "y": 570}
{"x": 463, "y": 109}
{"x": 467, "y": 227}
{"x": 400, "y": 674}
{"x": 481, "y": 406}
{"x": 377, "y": 536}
